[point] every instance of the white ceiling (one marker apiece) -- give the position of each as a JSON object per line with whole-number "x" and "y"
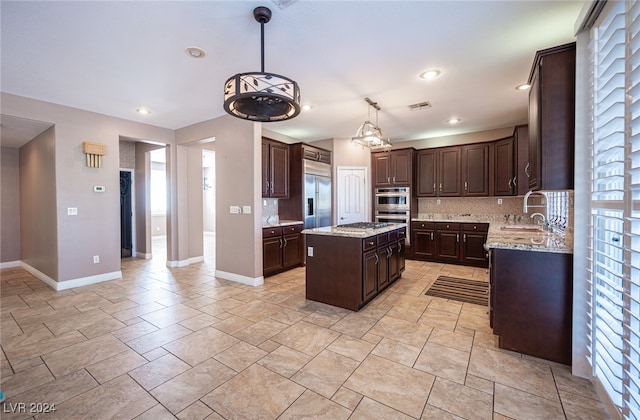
{"x": 115, "y": 57}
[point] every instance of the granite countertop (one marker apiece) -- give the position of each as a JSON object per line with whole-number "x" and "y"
{"x": 351, "y": 232}
{"x": 520, "y": 239}
{"x": 276, "y": 223}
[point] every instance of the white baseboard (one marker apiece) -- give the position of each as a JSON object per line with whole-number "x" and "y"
{"x": 10, "y": 264}
{"x": 185, "y": 263}
{"x": 143, "y": 255}
{"x": 257, "y": 281}
{"x": 70, "y": 284}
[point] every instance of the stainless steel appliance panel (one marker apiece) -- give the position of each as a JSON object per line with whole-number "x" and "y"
{"x": 317, "y": 194}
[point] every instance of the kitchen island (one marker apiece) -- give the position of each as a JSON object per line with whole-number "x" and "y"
{"x": 347, "y": 266}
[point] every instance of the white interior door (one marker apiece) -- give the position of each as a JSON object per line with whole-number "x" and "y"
{"x": 353, "y": 195}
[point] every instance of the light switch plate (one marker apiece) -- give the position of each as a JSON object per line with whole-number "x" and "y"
{"x": 234, "y": 209}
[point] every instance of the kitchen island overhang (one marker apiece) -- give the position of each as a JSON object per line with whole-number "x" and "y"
{"x": 347, "y": 267}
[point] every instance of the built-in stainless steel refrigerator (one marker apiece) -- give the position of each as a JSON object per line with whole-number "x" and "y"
{"x": 317, "y": 194}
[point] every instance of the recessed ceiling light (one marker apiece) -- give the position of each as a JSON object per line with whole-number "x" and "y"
{"x": 523, "y": 86}
{"x": 430, "y": 74}
{"x": 195, "y": 52}
{"x": 143, "y": 111}
{"x": 306, "y": 107}
{"x": 453, "y": 120}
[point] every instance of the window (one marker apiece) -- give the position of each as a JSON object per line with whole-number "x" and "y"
{"x": 614, "y": 221}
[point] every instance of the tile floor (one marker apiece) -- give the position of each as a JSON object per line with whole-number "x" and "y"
{"x": 179, "y": 343}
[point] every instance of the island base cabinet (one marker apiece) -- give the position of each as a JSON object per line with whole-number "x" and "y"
{"x": 349, "y": 272}
{"x": 531, "y": 302}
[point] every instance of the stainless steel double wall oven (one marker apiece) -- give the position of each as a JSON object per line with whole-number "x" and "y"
{"x": 393, "y": 205}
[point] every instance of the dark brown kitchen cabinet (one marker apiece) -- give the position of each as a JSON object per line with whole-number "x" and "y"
{"x": 531, "y": 295}
{"x": 348, "y": 272}
{"x": 448, "y": 242}
{"x": 281, "y": 248}
{"x": 552, "y": 119}
{"x": 474, "y": 236}
{"x": 393, "y": 168}
{"x": 455, "y": 243}
{"x": 504, "y": 170}
{"x": 521, "y": 142}
{"x": 475, "y": 170}
{"x": 449, "y": 172}
{"x": 424, "y": 244}
{"x": 427, "y": 173}
{"x": 315, "y": 153}
{"x": 275, "y": 169}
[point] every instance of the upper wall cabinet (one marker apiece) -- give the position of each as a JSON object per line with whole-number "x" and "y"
{"x": 475, "y": 169}
{"x": 552, "y": 119}
{"x": 449, "y": 173}
{"x": 504, "y": 170}
{"x": 275, "y": 169}
{"x": 393, "y": 168}
{"x": 427, "y": 173}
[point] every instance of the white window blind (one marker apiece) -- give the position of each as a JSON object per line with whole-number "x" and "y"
{"x": 614, "y": 231}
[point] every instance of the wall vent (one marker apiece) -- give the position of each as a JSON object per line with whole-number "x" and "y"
{"x": 419, "y": 106}
{"x": 283, "y": 3}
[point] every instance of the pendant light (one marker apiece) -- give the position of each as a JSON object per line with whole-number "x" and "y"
{"x": 260, "y": 96}
{"x": 369, "y": 134}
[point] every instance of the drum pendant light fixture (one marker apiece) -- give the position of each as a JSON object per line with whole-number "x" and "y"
{"x": 260, "y": 96}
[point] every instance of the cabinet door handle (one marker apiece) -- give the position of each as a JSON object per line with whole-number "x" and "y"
{"x": 394, "y": 179}
{"x": 281, "y": 243}
{"x": 434, "y": 187}
{"x": 509, "y": 183}
{"x": 377, "y": 259}
{"x": 399, "y": 247}
{"x": 466, "y": 186}
{"x": 432, "y": 236}
{"x": 285, "y": 242}
{"x": 515, "y": 181}
{"x": 388, "y": 180}
{"x": 464, "y": 237}
{"x": 389, "y": 252}
{"x": 441, "y": 187}
{"x": 457, "y": 237}
{"x": 526, "y": 170}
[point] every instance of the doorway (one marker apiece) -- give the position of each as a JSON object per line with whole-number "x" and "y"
{"x": 209, "y": 206}
{"x": 126, "y": 214}
{"x": 353, "y": 197}
{"x": 158, "y": 199}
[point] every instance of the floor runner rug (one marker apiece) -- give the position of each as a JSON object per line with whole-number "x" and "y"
{"x": 462, "y": 290}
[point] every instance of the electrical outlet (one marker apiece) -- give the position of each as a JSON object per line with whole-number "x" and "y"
{"x": 438, "y": 202}
{"x": 96, "y": 259}
{"x": 72, "y": 211}
{"x": 246, "y": 209}
{"x": 309, "y": 251}
{"x": 499, "y": 201}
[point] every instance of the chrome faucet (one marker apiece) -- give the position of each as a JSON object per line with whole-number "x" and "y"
{"x": 543, "y": 220}
{"x": 525, "y": 206}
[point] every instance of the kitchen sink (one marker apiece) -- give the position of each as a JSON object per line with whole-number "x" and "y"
{"x": 521, "y": 229}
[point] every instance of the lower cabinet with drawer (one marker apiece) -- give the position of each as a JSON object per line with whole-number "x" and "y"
{"x": 349, "y": 272}
{"x": 281, "y": 248}
{"x": 454, "y": 243}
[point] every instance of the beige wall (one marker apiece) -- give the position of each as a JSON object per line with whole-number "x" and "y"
{"x": 96, "y": 228}
{"x": 477, "y": 137}
{"x": 238, "y": 180}
{"x": 38, "y": 214}
{"x": 142, "y": 198}
{"x": 9, "y": 204}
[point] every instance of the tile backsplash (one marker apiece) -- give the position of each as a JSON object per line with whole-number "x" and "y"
{"x": 471, "y": 205}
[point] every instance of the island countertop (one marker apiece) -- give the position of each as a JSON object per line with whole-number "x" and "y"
{"x": 352, "y": 232}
